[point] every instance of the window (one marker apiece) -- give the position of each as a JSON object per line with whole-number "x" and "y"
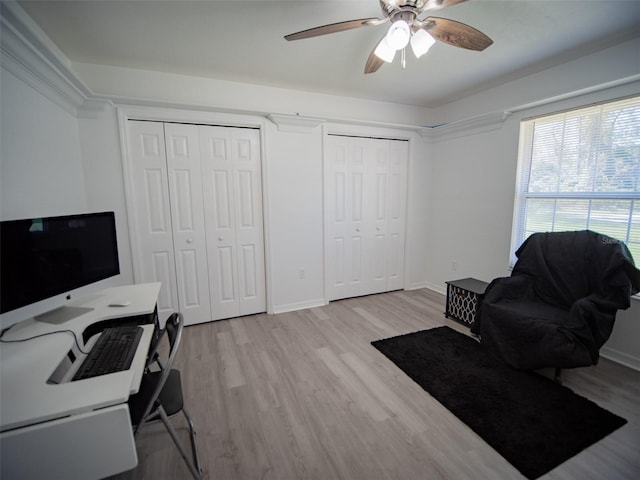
{"x": 579, "y": 170}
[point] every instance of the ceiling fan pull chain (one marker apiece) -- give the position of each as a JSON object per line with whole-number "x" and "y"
{"x": 404, "y": 58}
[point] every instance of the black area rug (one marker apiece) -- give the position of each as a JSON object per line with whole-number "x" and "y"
{"x": 533, "y": 422}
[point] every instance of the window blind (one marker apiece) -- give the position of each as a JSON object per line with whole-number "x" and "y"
{"x": 580, "y": 169}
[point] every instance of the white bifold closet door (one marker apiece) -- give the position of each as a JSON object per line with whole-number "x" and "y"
{"x": 365, "y": 203}
{"x": 176, "y": 208}
{"x": 231, "y": 177}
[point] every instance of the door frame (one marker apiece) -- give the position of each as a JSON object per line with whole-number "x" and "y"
{"x": 127, "y": 112}
{"x": 361, "y": 131}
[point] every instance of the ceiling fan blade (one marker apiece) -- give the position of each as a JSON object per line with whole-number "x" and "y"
{"x": 331, "y": 28}
{"x": 373, "y": 62}
{"x": 457, "y": 34}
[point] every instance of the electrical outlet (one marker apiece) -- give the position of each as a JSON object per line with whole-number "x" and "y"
{"x": 454, "y": 265}
{"x": 301, "y": 273}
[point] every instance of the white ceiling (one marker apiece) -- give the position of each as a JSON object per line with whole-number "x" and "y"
{"x": 243, "y": 41}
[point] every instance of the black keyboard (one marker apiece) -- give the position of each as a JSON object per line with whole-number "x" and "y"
{"x": 113, "y": 352}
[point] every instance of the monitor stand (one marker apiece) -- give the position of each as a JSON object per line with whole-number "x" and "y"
{"x": 62, "y": 314}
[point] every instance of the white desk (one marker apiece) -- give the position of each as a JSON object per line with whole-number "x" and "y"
{"x": 77, "y": 429}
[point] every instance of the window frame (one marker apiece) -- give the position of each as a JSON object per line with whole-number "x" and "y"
{"x": 523, "y": 173}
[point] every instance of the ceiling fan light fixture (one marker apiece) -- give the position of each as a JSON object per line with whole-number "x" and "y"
{"x": 398, "y": 35}
{"x": 384, "y": 51}
{"x": 421, "y": 42}
{"x": 406, "y": 27}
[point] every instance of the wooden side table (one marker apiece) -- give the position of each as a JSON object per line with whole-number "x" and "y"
{"x": 464, "y": 297}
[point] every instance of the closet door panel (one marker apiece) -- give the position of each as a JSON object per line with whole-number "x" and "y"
{"x": 163, "y": 271}
{"x": 355, "y": 272}
{"x": 187, "y": 213}
{"x": 220, "y": 183}
{"x": 246, "y": 210}
{"x": 356, "y": 203}
{"x": 377, "y": 171}
{"x": 344, "y": 169}
{"x": 249, "y": 282}
{"x": 396, "y": 222}
{"x": 355, "y": 197}
{"x": 221, "y": 244}
{"x": 233, "y": 210}
{"x": 226, "y": 276}
{"x": 156, "y": 209}
{"x": 153, "y": 248}
{"x": 189, "y": 279}
{"x": 218, "y": 193}
{"x": 197, "y": 210}
{"x": 245, "y": 151}
{"x": 365, "y": 184}
{"x": 336, "y": 204}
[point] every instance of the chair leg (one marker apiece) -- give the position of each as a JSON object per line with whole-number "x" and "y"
{"x": 167, "y": 423}
{"x": 557, "y": 376}
{"x": 138, "y": 428}
{"x": 192, "y": 433}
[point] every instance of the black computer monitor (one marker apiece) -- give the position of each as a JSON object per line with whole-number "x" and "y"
{"x": 44, "y": 260}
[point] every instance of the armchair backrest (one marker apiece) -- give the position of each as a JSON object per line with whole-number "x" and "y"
{"x": 567, "y": 266}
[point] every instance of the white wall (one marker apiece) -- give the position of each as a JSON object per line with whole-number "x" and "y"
{"x": 294, "y": 217}
{"x": 419, "y": 232}
{"x": 99, "y": 144}
{"x": 622, "y": 346}
{"x": 41, "y": 170}
{"x": 606, "y": 68}
{"x": 133, "y": 85}
{"x": 471, "y": 202}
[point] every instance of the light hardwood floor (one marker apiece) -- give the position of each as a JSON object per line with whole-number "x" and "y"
{"x": 304, "y": 395}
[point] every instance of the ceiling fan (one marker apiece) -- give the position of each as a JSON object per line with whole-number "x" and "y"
{"x": 406, "y": 28}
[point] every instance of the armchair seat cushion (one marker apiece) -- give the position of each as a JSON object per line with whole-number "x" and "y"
{"x": 531, "y": 336}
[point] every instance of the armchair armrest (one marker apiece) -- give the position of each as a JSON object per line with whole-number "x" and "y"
{"x": 508, "y": 288}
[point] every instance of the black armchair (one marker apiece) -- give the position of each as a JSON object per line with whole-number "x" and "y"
{"x": 559, "y": 305}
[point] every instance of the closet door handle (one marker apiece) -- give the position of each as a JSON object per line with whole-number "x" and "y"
{"x": 220, "y": 239}
{"x": 357, "y": 229}
{"x": 189, "y": 240}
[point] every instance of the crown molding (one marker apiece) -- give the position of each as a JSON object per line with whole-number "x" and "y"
{"x": 94, "y": 107}
{"x": 295, "y": 123}
{"x": 27, "y": 53}
{"x": 480, "y": 124}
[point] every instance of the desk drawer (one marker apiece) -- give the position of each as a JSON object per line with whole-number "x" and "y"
{"x": 90, "y": 445}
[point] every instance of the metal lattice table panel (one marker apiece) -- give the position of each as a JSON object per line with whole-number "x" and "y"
{"x": 463, "y": 299}
{"x": 463, "y": 305}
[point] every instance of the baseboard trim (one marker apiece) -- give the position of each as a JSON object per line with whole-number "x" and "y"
{"x": 441, "y": 289}
{"x": 292, "y": 307}
{"x": 621, "y": 358}
{"x": 417, "y": 286}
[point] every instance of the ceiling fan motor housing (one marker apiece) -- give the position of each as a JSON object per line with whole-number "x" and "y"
{"x": 407, "y": 11}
